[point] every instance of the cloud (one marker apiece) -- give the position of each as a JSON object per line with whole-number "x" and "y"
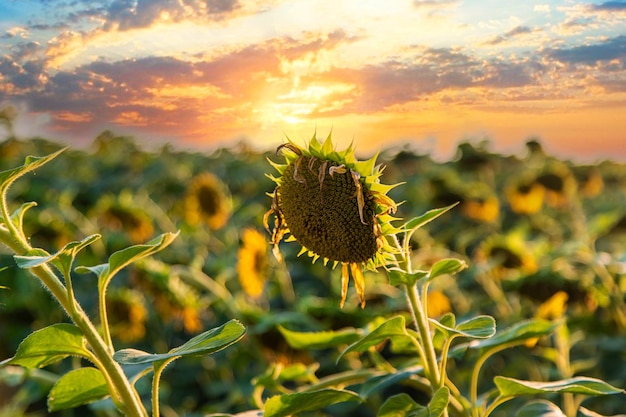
{"x": 134, "y": 14}
{"x": 434, "y": 3}
{"x": 544, "y": 8}
{"x": 167, "y": 94}
{"x": 610, "y": 49}
{"x": 515, "y": 32}
{"x": 610, "y": 6}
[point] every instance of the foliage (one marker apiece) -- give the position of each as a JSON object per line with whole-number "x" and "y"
{"x": 509, "y": 342}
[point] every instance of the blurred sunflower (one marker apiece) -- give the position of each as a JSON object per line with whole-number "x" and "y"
{"x": 127, "y": 313}
{"x": 172, "y": 298}
{"x": 525, "y": 197}
{"x": 552, "y": 309}
{"x": 590, "y": 181}
{"x": 481, "y": 204}
{"x": 207, "y": 200}
{"x": 252, "y": 262}
{"x": 438, "y": 303}
{"x": 335, "y": 207}
{"x": 123, "y": 214}
{"x": 559, "y": 184}
{"x": 506, "y": 256}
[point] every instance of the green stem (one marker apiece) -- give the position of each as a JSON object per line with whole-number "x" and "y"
{"x": 421, "y": 322}
{"x": 156, "y": 381}
{"x": 104, "y": 317}
{"x": 497, "y": 402}
{"x": 475, "y": 373}
{"x": 122, "y": 389}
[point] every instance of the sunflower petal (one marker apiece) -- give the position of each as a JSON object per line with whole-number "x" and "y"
{"x": 345, "y": 278}
{"x": 359, "y": 282}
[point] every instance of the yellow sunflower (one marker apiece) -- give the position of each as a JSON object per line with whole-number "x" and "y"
{"x": 252, "y": 262}
{"x": 335, "y": 207}
{"x": 559, "y": 184}
{"x": 128, "y": 314}
{"x": 123, "y": 213}
{"x": 208, "y": 201}
{"x": 525, "y": 197}
{"x": 481, "y": 204}
{"x": 590, "y": 181}
{"x": 506, "y": 256}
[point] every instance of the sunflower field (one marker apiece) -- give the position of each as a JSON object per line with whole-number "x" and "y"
{"x": 179, "y": 283}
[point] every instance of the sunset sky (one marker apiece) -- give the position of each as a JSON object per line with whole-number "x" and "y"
{"x": 208, "y": 73}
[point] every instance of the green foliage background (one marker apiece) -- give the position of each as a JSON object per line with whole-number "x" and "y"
{"x": 576, "y": 243}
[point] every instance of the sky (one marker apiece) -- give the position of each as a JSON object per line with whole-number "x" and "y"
{"x": 202, "y": 74}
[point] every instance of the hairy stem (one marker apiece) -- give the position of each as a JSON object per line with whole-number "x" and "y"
{"x": 121, "y": 391}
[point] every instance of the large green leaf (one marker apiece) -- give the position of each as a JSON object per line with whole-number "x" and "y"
{"x": 378, "y": 383}
{"x": 448, "y": 266}
{"x": 394, "y": 328}
{"x": 49, "y": 345}
{"x": 18, "y": 215}
{"x": 63, "y": 259}
{"x": 205, "y": 343}
{"x": 540, "y": 408}
{"x": 30, "y": 163}
{"x": 77, "y": 387}
{"x": 126, "y": 256}
{"x": 288, "y": 404}
{"x": 398, "y": 276}
{"x": 417, "y": 222}
{"x": 510, "y": 387}
{"x": 402, "y": 405}
{"x": 319, "y": 340}
{"x": 519, "y": 332}
{"x": 479, "y": 327}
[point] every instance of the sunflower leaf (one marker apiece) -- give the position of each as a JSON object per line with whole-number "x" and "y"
{"x": 480, "y": 327}
{"x": 404, "y": 405}
{"x": 540, "y": 408}
{"x": 62, "y": 259}
{"x": 205, "y": 343}
{"x": 399, "y": 277}
{"x": 30, "y": 164}
{"x": 77, "y": 387}
{"x": 394, "y": 328}
{"x": 49, "y": 345}
{"x": 288, "y": 404}
{"x": 417, "y": 222}
{"x": 510, "y": 387}
{"x": 448, "y": 266}
{"x": 319, "y": 340}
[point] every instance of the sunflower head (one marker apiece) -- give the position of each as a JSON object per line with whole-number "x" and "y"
{"x": 525, "y": 197}
{"x": 334, "y": 206}
{"x": 252, "y": 262}
{"x": 208, "y": 201}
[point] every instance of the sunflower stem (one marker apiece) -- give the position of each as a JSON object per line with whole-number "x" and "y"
{"x": 421, "y": 322}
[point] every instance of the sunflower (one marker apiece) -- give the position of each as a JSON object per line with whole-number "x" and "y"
{"x": 481, "y": 204}
{"x": 525, "y": 197}
{"x": 506, "y": 256}
{"x": 335, "y": 207}
{"x": 208, "y": 201}
{"x": 252, "y": 262}
{"x": 559, "y": 184}
{"x": 128, "y": 314}
{"x": 123, "y": 213}
{"x": 590, "y": 181}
